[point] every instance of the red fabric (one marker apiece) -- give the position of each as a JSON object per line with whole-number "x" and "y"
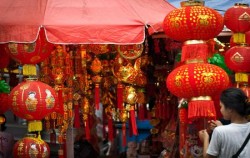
{"x": 96, "y": 21}
{"x": 194, "y": 51}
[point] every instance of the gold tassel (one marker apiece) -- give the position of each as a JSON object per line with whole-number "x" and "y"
{"x": 241, "y": 77}
{"x": 239, "y": 38}
{"x": 29, "y": 70}
{"x": 35, "y": 126}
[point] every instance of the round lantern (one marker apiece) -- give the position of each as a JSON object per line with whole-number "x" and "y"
{"x": 32, "y": 100}
{"x": 4, "y": 57}
{"x": 237, "y": 58}
{"x": 192, "y": 21}
{"x": 30, "y": 147}
{"x": 198, "y": 82}
{"x": 30, "y": 53}
{"x": 237, "y": 19}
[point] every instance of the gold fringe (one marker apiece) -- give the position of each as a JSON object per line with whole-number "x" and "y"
{"x": 29, "y": 70}
{"x": 239, "y": 38}
{"x": 35, "y": 126}
{"x": 241, "y": 77}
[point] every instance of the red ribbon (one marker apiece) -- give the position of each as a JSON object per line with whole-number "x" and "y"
{"x": 110, "y": 130}
{"x": 97, "y": 96}
{"x": 133, "y": 121}
{"x": 77, "y": 116}
{"x": 119, "y": 96}
{"x": 87, "y": 129}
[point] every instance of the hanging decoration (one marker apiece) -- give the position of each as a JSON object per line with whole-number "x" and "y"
{"x": 237, "y": 19}
{"x": 5, "y": 58}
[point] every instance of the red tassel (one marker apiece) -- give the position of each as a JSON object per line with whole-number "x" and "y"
{"x": 53, "y": 137}
{"x": 141, "y": 111}
{"x": 77, "y": 116}
{"x": 201, "y": 109}
{"x": 87, "y": 129}
{"x": 110, "y": 130}
{"x": 120, "y": 96}
{"x": 194, "y": 51}
{"x": 97, "y": 96}
{"x": 124, "y": 139}
{"x": 133, "y": 121}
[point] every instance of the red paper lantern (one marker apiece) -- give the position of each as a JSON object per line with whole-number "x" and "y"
{"x": 31, "y": 53}
{"x": 3, "y": 102}
{"x": 197, "y": 79}
{"x": 237, "y": 19}
{"x": 4, "y": 57}
{"x": 192, "y": 22}
{"x": 237, "y": 58}
{"x": 32, "y": 100}
{"x": 30, "y": 147}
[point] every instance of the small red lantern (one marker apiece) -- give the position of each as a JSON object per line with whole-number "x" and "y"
{"x": 237, "y": 19}
{"x": 32, "y": 100}
{"x": 30, "y": 147}
{"x": 192, "y": 21}
{"x": 198, "y": 82}
{"x": 31, "y": 53}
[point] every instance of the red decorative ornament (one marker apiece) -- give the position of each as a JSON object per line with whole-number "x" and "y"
{"x": 237, "y": 19}
{"x": 3, "y": 102}
{"x": 4, "y": 57}
{"x": 237, "y": 58}
{"x": 30, "y": 147}
{"x": 31, "y": 53}
{"x": 198, "y": 82}
{"x": 192, "y": 21}
{"x": 32, "y": 100}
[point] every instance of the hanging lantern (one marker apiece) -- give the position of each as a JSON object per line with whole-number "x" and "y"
{"x": 198, "y": 82}
{"x": 237, "y": 19}
{"x": 3, "y": 102}
{"x": 31, "y": 53}
{"x": 30, "y": 147}
{"x": 192, "y": 21}
{"x": 237, "y": 59}
{"x": 193, "y": 24}
{"x": 32, "y": 100}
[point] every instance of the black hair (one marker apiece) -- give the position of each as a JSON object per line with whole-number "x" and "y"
{"x": 236, "y": 99}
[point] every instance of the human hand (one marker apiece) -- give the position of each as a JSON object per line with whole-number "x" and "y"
{"x": 203, "y": 135}
{"x": 212, "y": 124}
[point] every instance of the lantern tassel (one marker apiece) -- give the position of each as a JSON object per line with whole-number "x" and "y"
{"x": 87, "y": 129}
{"x": 201, "y": 107}
{"x": 35, "y": 126}
{"x": 133, "y": 121}
{"x": 119, "y": 96}
{"x": 111, "y": 130}
{"x": 194, "y": 49}
{"x": 97, "y": 96}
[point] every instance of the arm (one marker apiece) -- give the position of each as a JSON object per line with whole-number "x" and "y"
{"x": 204, "y": 137}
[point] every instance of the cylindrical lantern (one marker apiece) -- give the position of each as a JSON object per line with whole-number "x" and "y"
{"x": 237, "y": 59}
{"x": 30, "y": 147}
{"x": 237, "y": 19}
{"x": 198, "y": 82}
{"x": 31, "y": 53}
{"x": 192, "y": 21}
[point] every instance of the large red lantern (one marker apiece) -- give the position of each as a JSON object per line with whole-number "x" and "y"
{"x": 198, "y": 82}
{"x": 32, "y": 100}
{"x": 237, "y": 59}
{"x": 237, "y": 19}
{"x": 31, "y": 53}
{"x": 30, "y": 147}
{"x": 192, "y": 21}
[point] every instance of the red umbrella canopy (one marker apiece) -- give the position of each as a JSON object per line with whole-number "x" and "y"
{"x": 81, "y": 22}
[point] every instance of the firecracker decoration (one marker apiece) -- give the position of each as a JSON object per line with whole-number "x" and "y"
{"x": 237, "y": 20}
{"x": 29, "y": 147}
{"x": 33, "y": 100}
{"x": 237, "y": 59}
{"x": 198, "y": 82}
{"x": 29, "y": 54}
{"x": 193, "y": 24}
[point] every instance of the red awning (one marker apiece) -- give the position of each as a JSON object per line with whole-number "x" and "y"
{"x": 81, "y": 21}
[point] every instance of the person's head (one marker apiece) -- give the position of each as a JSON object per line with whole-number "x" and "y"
{"x": 236, "y": 100}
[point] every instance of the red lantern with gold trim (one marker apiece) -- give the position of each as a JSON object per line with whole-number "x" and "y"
{"x": 237, "y": 59}
{"x": 192, "y": 21}
{"x": 31, "y": 53}
{"x": 30, "y": 147}
{"x": 198, "y": 82}
{"x": 237, "y": 19}
{"x": 32, "y": 100}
